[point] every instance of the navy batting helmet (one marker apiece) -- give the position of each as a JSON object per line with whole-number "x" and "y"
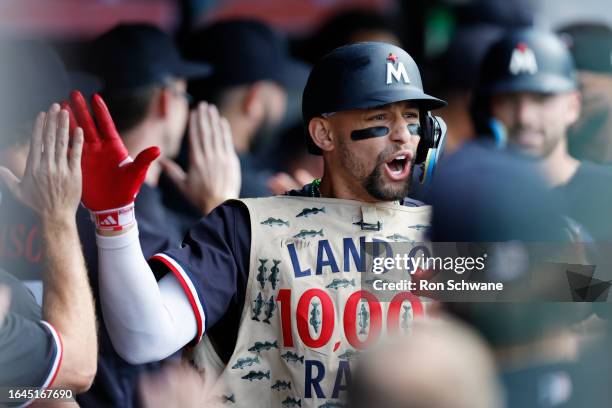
{"x": 368, "y": 75}
{"x": 523, "y": 60}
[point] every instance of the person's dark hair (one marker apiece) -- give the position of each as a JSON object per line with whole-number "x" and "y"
{"x": 129, "y": 107}
{"x": 339, "y": 29}
{"x": 207, "y": 90}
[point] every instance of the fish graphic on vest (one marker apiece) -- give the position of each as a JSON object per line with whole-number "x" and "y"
{"x": 399, "y": 238}
{"x": 292, "y": 357}
{"x": 341, "y": 283}
{"x": 274, "y": 271}
{"x": 261, "y": 276}
{"x": 245, "y": 362}
{"x": 332, "y": 404}
{"x": 315, "y": 317}
{"x": 292, "y": 402}
{"x": 281, "y": 385}
{"x": 348, "y": 355}
{"x": 275, "y": 222}
{"x": 258, "y": 304}
{"x": 259, "y": 346}
{"x": 310, "y": 211}
{"x": 308, "y": 233}
{"x": 364, "y": 318}
{"x": 270, "y": 306}
{"x": 256, "y": 375}
{"x": 406, "y": 316}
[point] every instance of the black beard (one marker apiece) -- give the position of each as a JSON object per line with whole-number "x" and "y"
{"x": 374, "y": 184}
{"x": 547, "y": 149}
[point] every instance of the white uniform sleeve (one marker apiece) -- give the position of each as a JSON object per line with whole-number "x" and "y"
{"x": 147, "y": 320}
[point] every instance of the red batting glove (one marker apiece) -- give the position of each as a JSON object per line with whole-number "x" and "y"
{"x": 111, "y": 179}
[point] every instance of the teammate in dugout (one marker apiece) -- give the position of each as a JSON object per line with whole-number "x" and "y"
{"x": 275, "y": 282}
{"x": 527, "y": 98}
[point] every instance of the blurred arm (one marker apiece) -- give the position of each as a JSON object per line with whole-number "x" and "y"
{"x": 68, "y": 304}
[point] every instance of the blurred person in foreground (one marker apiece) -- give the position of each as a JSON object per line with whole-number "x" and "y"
{"x": 32, "y": 77}
{"x": 590, "y": 138}
{"x": 176, "y": 385}
{"x": 54, "y": 346}
{"x": 252, "y": 74}
{"x": 418, "y": 370}
{"x": 539, "y": 326}
{"x": 147, "y": 93}
{"x": 249, "y": 250}
{"x": 527, "y": 98}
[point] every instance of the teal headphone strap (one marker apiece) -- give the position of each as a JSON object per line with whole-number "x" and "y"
{"x": 499, "y": 133}
{"x": 435, "y": 153}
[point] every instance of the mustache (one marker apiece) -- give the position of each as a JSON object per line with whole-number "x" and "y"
{"x": 523, "y": 129}
{"x": 389, "y": 152}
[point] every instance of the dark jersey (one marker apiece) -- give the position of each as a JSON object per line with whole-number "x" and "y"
{"x": 30, "y": 349}
{"x": 589, "y": 196}
{"x": 21, "y": 250}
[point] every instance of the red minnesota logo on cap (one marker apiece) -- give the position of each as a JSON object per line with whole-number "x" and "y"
{"x": 523, "y": 60}
{"x": 392, "y": 58}
{"x": 522, "y": 47}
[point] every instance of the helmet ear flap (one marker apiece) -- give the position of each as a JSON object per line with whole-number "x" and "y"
{"x": 434, "y": 136}
{"x": 427, "y": 136}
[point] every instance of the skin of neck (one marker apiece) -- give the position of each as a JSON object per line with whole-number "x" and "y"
{"x": 559, "y": 167}
{"x": 15, "y": 158}
{"x": 144, "y": 135}
{"x": 561, "y": 346}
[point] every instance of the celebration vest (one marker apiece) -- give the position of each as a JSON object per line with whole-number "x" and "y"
{"x": 305, "y": 316}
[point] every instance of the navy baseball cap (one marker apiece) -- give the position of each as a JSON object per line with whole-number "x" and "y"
{"x": 591, "y": 47}
{"x": 32, "y": 77}
{"x": 244, "y": 51}
{"x": 134, "y": 55}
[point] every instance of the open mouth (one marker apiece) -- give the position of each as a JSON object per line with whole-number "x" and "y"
{"x": 399, "y": 166}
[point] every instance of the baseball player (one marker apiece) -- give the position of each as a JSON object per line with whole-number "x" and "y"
{"x": 275, "y": 282}
{"x": 527, "y": 98}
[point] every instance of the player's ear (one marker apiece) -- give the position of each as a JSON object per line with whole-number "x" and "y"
{"x": 162, "y": 102}
{"x": 320, "y": 132}
{"x": 251, "y": 104}
{"x": 575, "y": 106}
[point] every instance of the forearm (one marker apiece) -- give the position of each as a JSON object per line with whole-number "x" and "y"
{"x": 68, "y": 303}
{"x": 146, "y": 321}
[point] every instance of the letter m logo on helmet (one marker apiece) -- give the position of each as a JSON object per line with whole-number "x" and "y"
{"x": 523, "y": 60}
{"x": 396, "y": 70}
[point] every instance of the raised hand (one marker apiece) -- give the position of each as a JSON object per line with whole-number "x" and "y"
{"x": 51, "y": 183}
{"x": 214, "y": 169}
{"x": 111, "y": 179}
{"x": 283, "y": 182}
{"x": 5, "y": 302}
